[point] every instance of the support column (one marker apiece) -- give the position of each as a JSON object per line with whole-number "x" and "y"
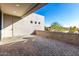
{"x": 12, "y": 27}
{"x": 0, "y": 24}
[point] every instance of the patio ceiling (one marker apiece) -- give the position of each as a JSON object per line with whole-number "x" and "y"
{"x": 20, "y": 9}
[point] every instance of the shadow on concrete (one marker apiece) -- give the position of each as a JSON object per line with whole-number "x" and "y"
{"x": 33, "y": 33}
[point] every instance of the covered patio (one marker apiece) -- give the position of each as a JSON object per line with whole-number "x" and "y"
{"x": 14, "y": 15}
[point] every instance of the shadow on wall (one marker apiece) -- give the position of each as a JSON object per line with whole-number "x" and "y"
{"x": 9, "y": 20}
{"x": 21, "y": 26}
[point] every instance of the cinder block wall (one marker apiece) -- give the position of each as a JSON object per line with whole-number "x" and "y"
{"x": 22, "y": 26}
{"x": 65, "y": 37}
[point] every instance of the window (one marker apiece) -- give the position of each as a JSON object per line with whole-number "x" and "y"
{"x": 31, "y": 21}
{"x": 35, "y": 22}
{"x": 38, "y": 22}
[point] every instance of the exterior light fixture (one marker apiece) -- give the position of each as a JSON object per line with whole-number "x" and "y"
{"x": 14, "y": 11}
{"x": 17, "y": 5}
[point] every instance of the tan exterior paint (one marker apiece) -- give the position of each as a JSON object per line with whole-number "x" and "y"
{"x": 21, "y": 26}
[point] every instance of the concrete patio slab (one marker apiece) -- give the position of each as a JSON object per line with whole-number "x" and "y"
{"x": 39, "y": 46}
{"x": 14, "y": 39}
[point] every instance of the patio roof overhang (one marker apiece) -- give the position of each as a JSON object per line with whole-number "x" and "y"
{"x": 20, "y": 9}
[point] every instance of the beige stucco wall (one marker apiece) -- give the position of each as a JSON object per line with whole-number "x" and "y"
{"x": 21, "y": 26}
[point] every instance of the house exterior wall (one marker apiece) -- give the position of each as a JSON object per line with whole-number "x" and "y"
{"x": 15, "y": 26}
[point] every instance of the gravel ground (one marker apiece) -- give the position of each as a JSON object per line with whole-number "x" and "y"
{"x": 39, "y": 46}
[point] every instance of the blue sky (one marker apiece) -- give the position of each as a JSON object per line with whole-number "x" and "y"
{"x": 64, "y": 13}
